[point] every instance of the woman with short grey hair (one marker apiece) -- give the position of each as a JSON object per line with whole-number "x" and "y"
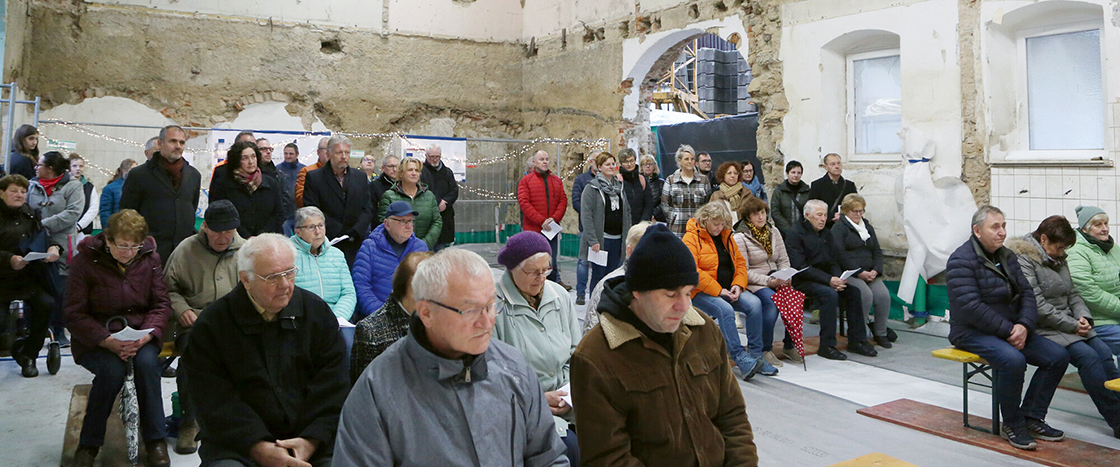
{"x": 684, "y": 191}
{"x": 323, "y": 269}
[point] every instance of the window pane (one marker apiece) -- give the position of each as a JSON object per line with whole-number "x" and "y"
{"x": 877, "y": 84}
{"x": 1066, "y": 106}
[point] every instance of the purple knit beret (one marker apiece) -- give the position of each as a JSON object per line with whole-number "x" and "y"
{"x": 521, "y": 246}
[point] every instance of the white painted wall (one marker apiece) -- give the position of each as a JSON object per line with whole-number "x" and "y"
{"x": 484, "y": 20}
{"x": 816, "y": 35}
{"x": 546, "y": 17}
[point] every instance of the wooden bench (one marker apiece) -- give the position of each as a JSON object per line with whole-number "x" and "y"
{"x": 973, "y": 365}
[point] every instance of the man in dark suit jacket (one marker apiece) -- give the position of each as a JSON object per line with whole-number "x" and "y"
{"x": 441, "y": 180}
{"x": 165, "y": 191}
{"x": 832, "y": 188}
{"x": 342, "y": 193}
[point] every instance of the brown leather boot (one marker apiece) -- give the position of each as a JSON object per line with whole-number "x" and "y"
{"x": 186, "y": 444}
{"x": 85, "y": 455}
{"x": 157, "y": 454}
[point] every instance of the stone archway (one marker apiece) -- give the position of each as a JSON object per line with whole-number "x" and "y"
{"x": 644, "y": 60}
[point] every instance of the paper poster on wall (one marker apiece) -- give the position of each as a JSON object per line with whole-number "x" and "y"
{"x": 454, "y": 151}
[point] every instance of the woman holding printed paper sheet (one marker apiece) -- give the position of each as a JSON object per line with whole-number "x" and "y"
{"x": 118, "y": 273}
{"x": 765, "y": 251}
{"x": 537, "y": 316}
{"x": 606, "y": 218}
{"x": 723, "y": 279}
{"x": 856, "y": 247}
{"x": 21, "y": 277}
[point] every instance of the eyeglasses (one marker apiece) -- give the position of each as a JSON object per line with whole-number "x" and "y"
{"x": 857, "y": 211}
{"x": 266, "y": 149}
{"x": 313, "y": 227}
{"x": 126, "y": 248}
{"x": 274, "y": 279}
{"x": 404, "y": 221}
{"x": 472, "y": 313}
{"x": 539, "y": 273}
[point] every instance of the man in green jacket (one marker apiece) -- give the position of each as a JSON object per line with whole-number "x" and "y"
{"x": 201, "y": 270}
{"x": 1094, "y": 265}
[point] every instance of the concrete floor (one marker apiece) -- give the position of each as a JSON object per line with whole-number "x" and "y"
{"x": 800, "y": 418}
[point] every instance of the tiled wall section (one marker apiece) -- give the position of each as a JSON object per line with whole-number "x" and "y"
{"x": 1030, "y": 194}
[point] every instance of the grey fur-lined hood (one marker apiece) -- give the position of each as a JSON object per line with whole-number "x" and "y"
{"x": 1027, "y": 247}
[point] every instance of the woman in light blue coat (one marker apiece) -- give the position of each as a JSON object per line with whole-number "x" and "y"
{"x": 537, "y": 317}
{"x": 322, "y": 267}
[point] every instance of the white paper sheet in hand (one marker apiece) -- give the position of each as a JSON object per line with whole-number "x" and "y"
{"x": 344, "y": 323}
{"x": 599, "y": 258}
{"x": 128, "y": 334}
{"x": 339, "y": 239}
{"x": 849, "y": 273}
{"x": 568, "y": 398}
{"x": 35, "y": 256}
{"x": 786, "y": 274}
{"x": 553, "y": 230}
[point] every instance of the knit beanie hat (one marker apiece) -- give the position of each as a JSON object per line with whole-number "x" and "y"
{"x": 521, "y": 246}
{"x": 1084, "y": 213}
{"x": 660, "y": 261}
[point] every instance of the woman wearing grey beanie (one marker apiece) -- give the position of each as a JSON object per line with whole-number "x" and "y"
{"x": 1094, "y": 265}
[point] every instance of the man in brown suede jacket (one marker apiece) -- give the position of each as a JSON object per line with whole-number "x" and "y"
{"x": 652, "y": 382}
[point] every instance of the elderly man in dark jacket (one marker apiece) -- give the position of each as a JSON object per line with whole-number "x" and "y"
{"x": 165, "y": 191}
{"x": 342, "y": 193}
{"x": 441, "y": 180}
{"x": 652, "y": 381}
{"x": 267, "y": 366}
{"x": 994, "y": 312}
{"x": 808, "y": 247}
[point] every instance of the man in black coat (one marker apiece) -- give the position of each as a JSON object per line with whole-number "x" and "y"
{"x": 383, "y": 183}
{"x": 441, "y": 180}
{"x": 165, "y": 191}
{"x": 994, "y": 312}
{"x": 832, "y": 188}
{"x": 342, "y": 193}
{"x": 808, "y": 247}
{"x": 267, "y": 368}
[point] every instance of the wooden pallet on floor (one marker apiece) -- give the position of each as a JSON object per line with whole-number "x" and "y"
{"x": 947, "y": 424}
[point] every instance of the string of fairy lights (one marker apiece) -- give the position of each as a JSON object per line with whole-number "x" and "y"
{"x": 591, "y": 147}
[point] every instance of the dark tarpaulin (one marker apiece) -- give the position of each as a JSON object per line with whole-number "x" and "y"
{"x": 726, "y": 139}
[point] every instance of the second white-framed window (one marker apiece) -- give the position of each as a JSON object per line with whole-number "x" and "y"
{"x": 874, "y": 85}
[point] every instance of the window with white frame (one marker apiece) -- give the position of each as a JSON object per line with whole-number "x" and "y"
{"x": 874, "y": 105}
{"x": 1065, "y": 100}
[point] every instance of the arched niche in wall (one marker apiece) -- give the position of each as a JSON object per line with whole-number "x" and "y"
{"x": 835, "y": 129}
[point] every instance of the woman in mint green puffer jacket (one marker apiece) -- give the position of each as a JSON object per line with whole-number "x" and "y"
{"x": 1094, "y": 265}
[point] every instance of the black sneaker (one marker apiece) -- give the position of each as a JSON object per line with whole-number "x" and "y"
{"x": 1040, "y": 430}
{"x": 580, "y": 300}
{"x": 891, "y": 335}
{"x": 831, "y": 353}
{"x": 1018, "y": 437}
{"x": 883, "y": 341}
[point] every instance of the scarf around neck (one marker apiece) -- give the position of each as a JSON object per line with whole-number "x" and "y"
{"x": 251, "y": 181}
{"x": 1105, "y": 245}
{"x": 762, "y": 234}
{"x": 49, "y": 183}
{"x": 174, "y": 170}
{"x": 861, "y": 228}
{"x": 755, "y": 186}
{"x": 610, "y": 189}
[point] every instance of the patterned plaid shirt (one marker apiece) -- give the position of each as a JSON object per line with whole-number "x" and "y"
{"x": 375, "y": 333}
{"x": 681, "y": 200}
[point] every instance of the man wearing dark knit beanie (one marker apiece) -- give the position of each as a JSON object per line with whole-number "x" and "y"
{"x": 651, "y": 341}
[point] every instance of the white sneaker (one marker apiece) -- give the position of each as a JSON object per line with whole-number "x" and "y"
{"x": 772, "y": 359}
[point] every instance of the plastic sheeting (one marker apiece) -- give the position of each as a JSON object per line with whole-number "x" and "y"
{"x": 936, "y": 213}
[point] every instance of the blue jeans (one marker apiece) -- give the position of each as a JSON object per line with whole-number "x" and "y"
{"x": 724, "y": 312}
{"x": 769, "y": 316}
{"x": 348, "y": 339}
{"x": 109, "y": 372}
{"x": 829, "y": 301}
{"x": 1095, "y": 365}
{"x": 613, "y": 247}
{"x": 1110, "y": 335}
{"x": 571, "y": 445}
{"x": 1010, "y": 366}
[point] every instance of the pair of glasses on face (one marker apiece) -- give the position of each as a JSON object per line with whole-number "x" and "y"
{"x": 313, "y": 227}
{"x": 538, "y": 273}
{"x": 403, "y": 221}
{"x": 491, "y": 309}
{"x": 274, "y": 279}
{"x": 132, "y": 249}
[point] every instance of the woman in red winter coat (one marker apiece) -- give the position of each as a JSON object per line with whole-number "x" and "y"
{"x": 118, "y": 273}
